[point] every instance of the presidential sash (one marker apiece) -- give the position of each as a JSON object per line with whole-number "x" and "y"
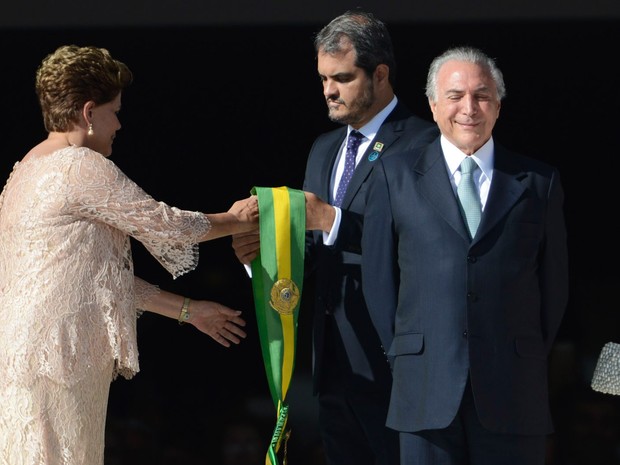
{"x": 277, "y": 278}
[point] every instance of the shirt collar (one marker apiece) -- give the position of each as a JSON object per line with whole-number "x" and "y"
{"x": 454, "y": 157}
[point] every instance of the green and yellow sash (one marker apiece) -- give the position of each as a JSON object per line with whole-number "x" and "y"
{"x": 277, "y": 278}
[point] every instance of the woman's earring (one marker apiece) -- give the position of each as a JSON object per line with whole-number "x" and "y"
{"x": 90, "y": 129}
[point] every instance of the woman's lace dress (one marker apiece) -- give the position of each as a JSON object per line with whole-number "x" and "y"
{"x": 69, "y": 299}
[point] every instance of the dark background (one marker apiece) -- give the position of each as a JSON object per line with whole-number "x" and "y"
{"x": 225, "y": 101}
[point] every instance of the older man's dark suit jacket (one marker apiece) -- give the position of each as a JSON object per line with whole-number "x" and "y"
{"x": 448, "y": 307}
{"x": 337, "y": 268}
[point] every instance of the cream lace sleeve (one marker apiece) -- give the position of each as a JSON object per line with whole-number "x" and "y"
{"x": 104, "y": 193}
{"x": 144, "y": 291}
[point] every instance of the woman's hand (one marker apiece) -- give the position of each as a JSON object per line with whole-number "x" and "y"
{"x": 222, "y": 323}
{"x": 246, "y": 212}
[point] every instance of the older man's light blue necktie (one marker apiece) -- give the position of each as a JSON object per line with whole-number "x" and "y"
{"x": 468, "y": 196}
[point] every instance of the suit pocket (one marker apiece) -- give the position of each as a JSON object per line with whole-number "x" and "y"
{"x": 407, "y": 344}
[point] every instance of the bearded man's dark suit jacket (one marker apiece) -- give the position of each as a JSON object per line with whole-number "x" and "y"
{"x": 360, "y": 367}
{"x": 448, "y": 307}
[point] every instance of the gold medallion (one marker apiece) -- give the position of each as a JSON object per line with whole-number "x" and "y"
{"x": 284, "y": 296}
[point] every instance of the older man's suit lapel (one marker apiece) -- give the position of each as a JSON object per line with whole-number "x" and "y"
{"x": 434, "y": 184}
{"x": 506, "y": 189}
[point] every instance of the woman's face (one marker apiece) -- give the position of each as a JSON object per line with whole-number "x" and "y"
{"x": 105, "y": 123}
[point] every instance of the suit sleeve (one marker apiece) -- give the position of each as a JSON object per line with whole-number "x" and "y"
{"x": 554, "y": 263}
{"x": 380, "y": 276}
